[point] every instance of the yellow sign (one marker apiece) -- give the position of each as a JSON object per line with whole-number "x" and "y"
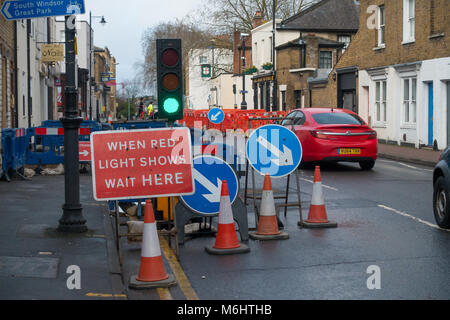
{"x": 52, "y": 52}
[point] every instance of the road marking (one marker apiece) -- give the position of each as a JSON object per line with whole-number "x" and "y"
{"x": 412, "y": 217}
{"x": 183, "y": 281}
{"x": 405, "y": 165}
{"x": 323, "y": 185}
{"x": 164, "y": 294}
{"x": 105, "y": 295}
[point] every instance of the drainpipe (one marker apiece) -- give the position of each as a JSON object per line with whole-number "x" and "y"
{"x": 30, "y": 101}
{"x": 16, "y": 100}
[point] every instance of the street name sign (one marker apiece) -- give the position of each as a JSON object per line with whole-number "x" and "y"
{"x": 84, "y": 150}
{"x": 28, "y": 9}
{"x": 141, "y": 164}
{"x": 274, "y": 150}
{"x": 209, "y": 172}
{"x": 216, "y": 115}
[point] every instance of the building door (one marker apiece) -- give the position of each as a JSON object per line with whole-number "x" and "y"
{"x": 448, "y": 113}
{"x": 349, "y": 100}
{"x": 283, "y": 100}
{"x": 430, "y": 113}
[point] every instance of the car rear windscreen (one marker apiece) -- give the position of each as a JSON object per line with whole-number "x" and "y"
{"x": 337, "y": 118}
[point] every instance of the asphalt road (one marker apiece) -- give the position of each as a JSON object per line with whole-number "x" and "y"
{"x": 385, "y": 219}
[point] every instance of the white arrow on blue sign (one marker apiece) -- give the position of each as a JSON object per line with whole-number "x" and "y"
{"x": 274, "y": 150}
{"x": 216, "y": 115}
{"x": 209, "y": 172}
{"x": 28, "y": 9}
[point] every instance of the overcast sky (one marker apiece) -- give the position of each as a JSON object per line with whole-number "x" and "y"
{"x": 126, "y": 22}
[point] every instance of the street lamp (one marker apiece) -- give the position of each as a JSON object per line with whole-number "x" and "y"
{"x": 102, "y": 22}
{"x": 243, "y": 103}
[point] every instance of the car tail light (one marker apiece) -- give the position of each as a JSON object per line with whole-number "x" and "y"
{"x": 319, "y": 134}
{"x": 372, "y": 134}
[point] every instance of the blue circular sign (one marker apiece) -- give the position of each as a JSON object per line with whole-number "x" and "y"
{"x": 209, "y": 172}
{"x": 274, "y": 150}
{"x": 216, "y": 115}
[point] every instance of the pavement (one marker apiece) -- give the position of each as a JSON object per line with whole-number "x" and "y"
{"x": 35, "y": 258}
{"x": 427, "y": 157}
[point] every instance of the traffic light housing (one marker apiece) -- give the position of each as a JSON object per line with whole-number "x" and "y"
{"x": 169, "y": 79}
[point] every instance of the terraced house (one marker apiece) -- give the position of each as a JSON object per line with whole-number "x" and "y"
{"x": 399, "y": 65}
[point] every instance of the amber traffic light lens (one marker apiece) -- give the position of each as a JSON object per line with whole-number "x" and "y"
{"x": 170, "y": 82}
{"x": 170, "y": 57}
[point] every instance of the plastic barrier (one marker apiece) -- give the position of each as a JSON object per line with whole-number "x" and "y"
{"x": 47, "y": 145}
{"x": 14, "y": 146}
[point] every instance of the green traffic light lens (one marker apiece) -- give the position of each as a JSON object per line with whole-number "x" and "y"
{"x": 171, "y": 105}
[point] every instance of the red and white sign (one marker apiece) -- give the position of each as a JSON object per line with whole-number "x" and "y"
{"x": 84, "y": 150}
{"x": 142, "y": 164}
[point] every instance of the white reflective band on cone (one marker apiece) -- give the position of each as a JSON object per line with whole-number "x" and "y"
{"x": 150, "y": 241}
{"x": 225, "y": 215}
{"x": 267, "y": 204}
{"x": 317, "y": 196}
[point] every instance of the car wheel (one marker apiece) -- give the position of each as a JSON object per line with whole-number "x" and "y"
{"x": 367, "y": 164}
{"x": 441, "y": 203}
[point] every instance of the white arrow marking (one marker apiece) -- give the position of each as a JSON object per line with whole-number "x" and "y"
{"x": 6, "y": 12}
{"x": 282, "y": 158}
{"x": 85, "y": 153}
{"x": 214, "y": 196}
{"x": 214, "y": 117}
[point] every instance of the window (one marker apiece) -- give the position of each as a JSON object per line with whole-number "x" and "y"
{"x": 326, "y": 60}
{"x": 409, "y": 100}
{"x": 408, "y": 21}
{"x": 337, "y": 118}
{"x": 380, "y": 101}
{"x": 345, "y": 40}
{"x": 289, "y": 120}
{"x": 203, "y": 60}
{"x": 381, "y": 26}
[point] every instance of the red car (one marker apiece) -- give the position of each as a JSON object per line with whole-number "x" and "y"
{"x": 333, "y": 135}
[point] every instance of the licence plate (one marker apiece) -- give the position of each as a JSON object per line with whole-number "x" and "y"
{"x": 349, "y": 151}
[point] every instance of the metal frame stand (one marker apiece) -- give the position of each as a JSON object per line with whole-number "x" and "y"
{"x": 286, "y": 203}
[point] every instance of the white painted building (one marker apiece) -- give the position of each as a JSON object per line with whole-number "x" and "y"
{"x": 408, "y": 103}
{"x": 199, "y": 95}
{"x": 262, "y": 53}
{"x": 36, "y": 88}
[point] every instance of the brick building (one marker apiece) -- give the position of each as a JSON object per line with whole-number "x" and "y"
{"x": 324, "y": 31}
{"x": 7, "y": 73}
{"x": 399, "y": 64}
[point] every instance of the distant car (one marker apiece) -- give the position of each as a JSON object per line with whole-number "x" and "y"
{"x": 333, "y": 135}
{"x": 441, "y": 190}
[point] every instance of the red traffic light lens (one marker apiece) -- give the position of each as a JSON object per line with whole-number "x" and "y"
{"x": 170, "y": 57}
{"x": 170, "y": 82}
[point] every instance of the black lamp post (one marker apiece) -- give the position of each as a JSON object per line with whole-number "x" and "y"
{"x": 103, "y": 22}
{"x": 243, "y": 103}
{"x": 72, "y": 220}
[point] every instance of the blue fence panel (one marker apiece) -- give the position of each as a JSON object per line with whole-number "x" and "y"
{"x": 14, "y": 150}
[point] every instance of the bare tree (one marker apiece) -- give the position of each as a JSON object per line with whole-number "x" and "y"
{"x": 230, "y": 15}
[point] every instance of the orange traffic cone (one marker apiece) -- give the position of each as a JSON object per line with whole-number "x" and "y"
{"x": 317, "y": 217}
{"x": 267, "y": 224}
{"x": 226, "y": 238}
{"x": 151, "y": 271}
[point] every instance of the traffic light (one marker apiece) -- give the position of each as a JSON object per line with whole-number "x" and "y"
{"x": 169, "y": 79}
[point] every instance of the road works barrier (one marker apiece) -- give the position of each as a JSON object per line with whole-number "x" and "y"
{"x": 14, "y": 145}
{"x": 234, "y": 119}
